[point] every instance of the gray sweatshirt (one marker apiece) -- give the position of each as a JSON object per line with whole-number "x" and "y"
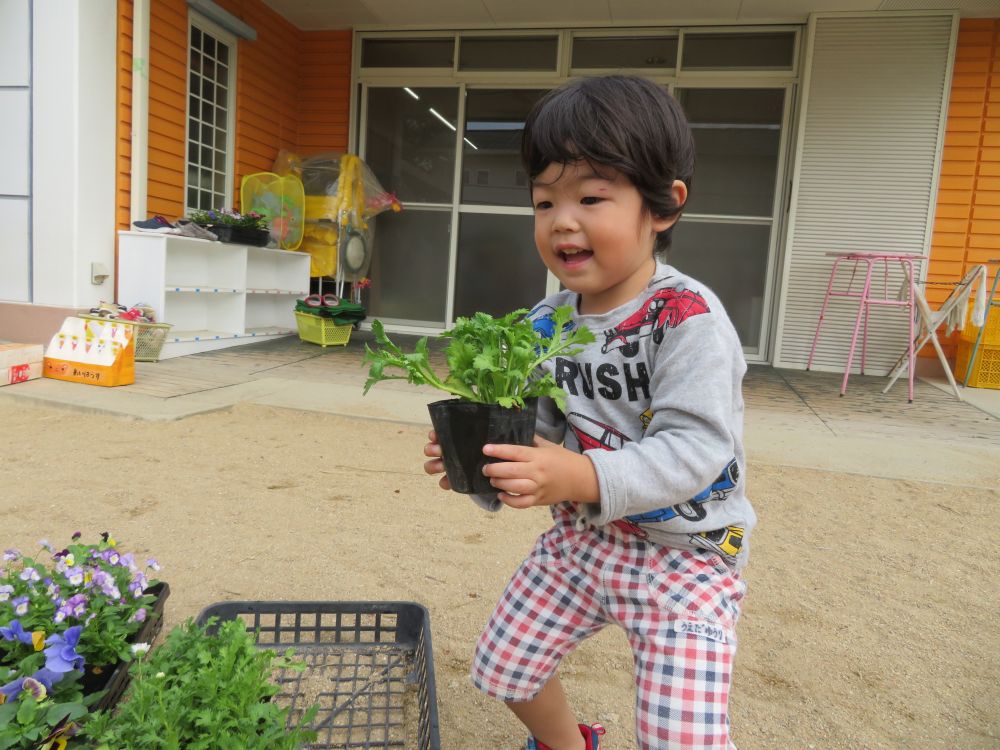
{"x": 655, "y": 403}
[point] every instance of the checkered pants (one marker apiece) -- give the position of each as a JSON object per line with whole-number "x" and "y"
{"x": 678, "y": 608}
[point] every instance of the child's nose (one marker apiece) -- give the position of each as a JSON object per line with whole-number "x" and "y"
{"x": 564, "y": 219}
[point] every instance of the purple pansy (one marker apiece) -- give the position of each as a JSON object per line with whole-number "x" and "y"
{"x": 75, "y": 606}
{"x": 20, "y": 604}
{"x": 106, "y": 582}
{"x": 5, "y": 591}
{"x": 35, "y": 688}
{"x": 74, "y": 575}
{"x": 61, "y": 655}
{"x": 15, "y": 632}
{"x": 45, "y": 677}
{"x": 140, "y": 615}
{"x": 11, "y": 554}
{"x": 12, "y": 689}
{"x": 30, "y": 575}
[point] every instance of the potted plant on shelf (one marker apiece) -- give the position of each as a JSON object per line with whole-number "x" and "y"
{"x": 493, "y": 375}
{"x": 202, "y": 685}
{"x": 67, "y": 630}
{"x": 231, "y": 226}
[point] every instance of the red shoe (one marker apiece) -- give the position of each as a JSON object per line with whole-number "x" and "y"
{"x": 592, "y": 734}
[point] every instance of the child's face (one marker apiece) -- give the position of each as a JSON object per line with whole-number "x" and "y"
{"x": 593, "y": 233}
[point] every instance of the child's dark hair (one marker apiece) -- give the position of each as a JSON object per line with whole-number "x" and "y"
{"x": 625, "y": 122}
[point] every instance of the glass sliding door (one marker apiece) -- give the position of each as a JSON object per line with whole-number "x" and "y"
{"x": 728, "y": 234}
{"x": 410, "y": 145}
{"x": 497, "y": 267}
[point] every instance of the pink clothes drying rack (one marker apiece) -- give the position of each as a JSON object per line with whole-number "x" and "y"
{"x": 868, "y": 263}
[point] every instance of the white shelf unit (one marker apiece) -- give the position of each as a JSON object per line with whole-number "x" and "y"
{"x": 214, "y": 294}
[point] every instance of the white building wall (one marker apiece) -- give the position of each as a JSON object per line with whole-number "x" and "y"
{"x": 73, "y": 129}
{"x": 15, "y": 153}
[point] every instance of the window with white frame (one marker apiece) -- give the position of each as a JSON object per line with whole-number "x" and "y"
{"x": 211, "y": 101}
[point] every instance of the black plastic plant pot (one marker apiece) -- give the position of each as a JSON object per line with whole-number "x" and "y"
{"x": 463, "y": 428}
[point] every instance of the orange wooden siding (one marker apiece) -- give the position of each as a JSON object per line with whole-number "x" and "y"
{"x": 325, "y": 91}
{"x": 292, "y": 92}
{"x": 123, "y": 132}
{"x": 967, "y": 220}
{"x": 168, "y": 53}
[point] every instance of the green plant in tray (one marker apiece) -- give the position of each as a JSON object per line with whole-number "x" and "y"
{"x": 228, "y": 217}
{"x": 490, "y": 360}
{"x": 203, "y": 690}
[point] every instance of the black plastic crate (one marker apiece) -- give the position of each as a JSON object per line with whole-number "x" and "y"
{"x": 369, "y": 666}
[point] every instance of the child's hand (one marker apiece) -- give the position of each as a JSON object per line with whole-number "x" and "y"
{"x": 436, "y": 464}
{"x": 544, "y": 474}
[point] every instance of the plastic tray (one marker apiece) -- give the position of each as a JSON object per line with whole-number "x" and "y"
{"x": 369, "y": 666}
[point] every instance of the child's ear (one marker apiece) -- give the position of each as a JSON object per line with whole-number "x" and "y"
{"x": 679, "y": 192}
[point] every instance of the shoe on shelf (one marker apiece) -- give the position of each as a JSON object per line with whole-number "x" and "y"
{"x": 187, "y": 228}
{"x": 592, "y": 733}
{"x": 155, "y": 224}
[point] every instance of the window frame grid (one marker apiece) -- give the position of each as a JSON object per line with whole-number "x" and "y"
{"x": 220, "y": 35}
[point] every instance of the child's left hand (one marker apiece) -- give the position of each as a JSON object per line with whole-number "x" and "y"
{"x": 543, "y": 474}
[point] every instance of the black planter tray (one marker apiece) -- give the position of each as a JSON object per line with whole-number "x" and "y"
{"x": 240, "y": 235}
{"x": 114, "y": 680}
{"x": 367, "y": 665}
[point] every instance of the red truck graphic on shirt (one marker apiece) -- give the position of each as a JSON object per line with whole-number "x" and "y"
{"x": 667, "y": 308}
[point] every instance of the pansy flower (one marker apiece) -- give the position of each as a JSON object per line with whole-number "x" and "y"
{"x": 30, "y": 575}
{"x": 20, "y": 604}
{"x": 35, "y": 689}
{"x": 61, "y": 655}
{"x": 15, "y": 632}
{"x": 74, "y": 575}
{"x": 11, "y": 554}
{"x": 5, "y": 591}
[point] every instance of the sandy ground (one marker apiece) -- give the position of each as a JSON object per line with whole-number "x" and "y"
{"x": 870, "y": 620}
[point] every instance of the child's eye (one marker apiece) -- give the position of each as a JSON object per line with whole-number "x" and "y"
{"x": 543, "y": 205}
{"x": 591, "y": 200}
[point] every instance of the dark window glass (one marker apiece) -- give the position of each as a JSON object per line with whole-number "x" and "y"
{"x": 410, "y": 142}
{"x": 763, "y": 50}
{"x": 625, "y": 52}
{"x": 737, "y": 135}
{"x": 508, "y": 53}
{"x": 498, "y": 266}
{"x": 407, "y": 53}
{"x": 491, "y": 147}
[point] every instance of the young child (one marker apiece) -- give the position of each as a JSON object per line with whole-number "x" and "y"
{"x": 644, "y": 472}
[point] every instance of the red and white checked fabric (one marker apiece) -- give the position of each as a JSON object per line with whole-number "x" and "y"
{"x": 678, "y": 608}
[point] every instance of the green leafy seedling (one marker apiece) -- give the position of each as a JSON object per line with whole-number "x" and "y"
{"x": 490, "y": 360}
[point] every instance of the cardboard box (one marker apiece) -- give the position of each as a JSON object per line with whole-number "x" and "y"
{"x": 20, "y": 363}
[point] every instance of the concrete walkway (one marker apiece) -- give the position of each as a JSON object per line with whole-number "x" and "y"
{"x": 794, "y": 418}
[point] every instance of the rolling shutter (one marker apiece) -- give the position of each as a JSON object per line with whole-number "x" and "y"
{"x": 870, "y": 134}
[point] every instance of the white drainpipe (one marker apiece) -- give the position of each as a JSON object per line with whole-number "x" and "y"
{"x": 140, "y": 109}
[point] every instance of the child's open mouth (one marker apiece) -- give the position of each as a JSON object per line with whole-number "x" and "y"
{"x": 575, "y": 257}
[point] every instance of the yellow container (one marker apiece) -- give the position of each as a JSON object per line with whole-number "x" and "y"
{"x": 985, "y": 370}
{"x": 991, "y": 335}
{"x": 322, "y": 331}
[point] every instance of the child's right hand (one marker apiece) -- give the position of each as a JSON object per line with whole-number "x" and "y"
{"x": 436, "y": 464}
